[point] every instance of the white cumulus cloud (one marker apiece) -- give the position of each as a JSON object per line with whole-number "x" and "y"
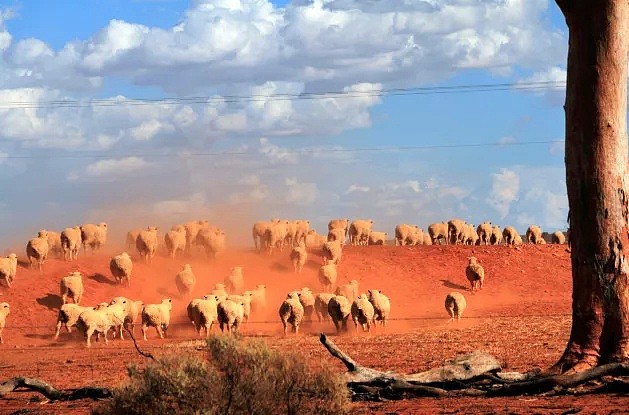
{"x": 504, "y": 190}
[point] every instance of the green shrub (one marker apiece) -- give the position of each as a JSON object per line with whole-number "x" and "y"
{"x": 239, "y": 377}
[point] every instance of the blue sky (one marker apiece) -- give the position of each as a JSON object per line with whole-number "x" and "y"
{"x": 162, "y": 164}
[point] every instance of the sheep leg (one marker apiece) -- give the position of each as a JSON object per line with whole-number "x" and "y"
{"x": 144, "y": 327}
{"x": 159, "y": 330}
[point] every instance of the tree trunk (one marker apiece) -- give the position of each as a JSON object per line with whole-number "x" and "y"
{"x": 596, "y": 180}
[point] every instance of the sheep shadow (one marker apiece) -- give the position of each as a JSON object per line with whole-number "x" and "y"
{"x": 278, "y": 266}
{"x": 166, "y": 293}
{"x": 312, "y": 264}
{"x": 23, "y": 263}
{"x": 103, "y": 279}
{"x": 50, "y": 301}
{"x": 452, "y": 285}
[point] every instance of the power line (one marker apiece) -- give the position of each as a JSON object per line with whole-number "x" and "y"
{"x": 207, "y": 100}
{"x": 284, "y": 152}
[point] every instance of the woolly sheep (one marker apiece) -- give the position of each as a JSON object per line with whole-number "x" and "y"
{"x": 258, "y": 233}
{"x": 54, "y": 244}
{"x": 321, "y": 306}
{"x": 203, "y": 313}
{"x": 245, "y": 300}
{"x": 427, "y": 239}
{"x": 175, "y": 241}
{"x": 509, "y": 235}
{"x": 314, "y": 240}
{"x": 558, "y": 238}
{"x": 455, "y": 305}
{"x": 416, "y": 237}
{"x": 302, "y": 229}
{"x": 404, "y": 233}
{"x": 99, "y": 320}
{"x": 94, "y": 236}
{"x": 4, "y": 312}
{"x": 37, "y": 249}
{"x": 212, "y": 240}
{"x": 339, "y": 309}
{"x": 349, "y": 291}
{"x": 331, "y": 251}
{"x": 158, "y": 316}
{"x": 456, "y": 228}
{"x": 117, "y": 314}
{"x": 235, "y": 281}
{"x": 381, "y": 306}
{"x": 8, "y": 268}
{"x": 71, "y": 286}
{"x": 298, "y": 257}
{"x": 132, "y": 311}
{"x": 230, "y": 314}
{"x": 258, "y": 298}
{"x": 146, "y": 243}
{"x": 192, "y": 229}
{"x": 377, "y": 238}
{"x": 327, "y": 276}
{"x": 437, "y": 232}
{"x": 362, "y": 312}
{"x": 484, "y": 231}
{"x": 470, "y": 235}
{"x": 275, "y": 236}
{"x": 219, "y": 292}
{"x": 71, "y": 243}
{"x": 475, "y": 274}
{"x": 121, "y": 267}
{"x": 291, "y": 231}
{"x": 339, "y": 224}
{"x": 337, "y": 234}
{"x": 307, "y": 300}
{"x": 359, "y": 231}
{"x": 131, "y": 238}
{"x": 517, "y": 240}
{"x": 496, "y": 236}
{"x": 68, "y": 316}
{"x": 185, "y": 281}
{"x": 534, "y": 234}
{"x": 291, "y": 312}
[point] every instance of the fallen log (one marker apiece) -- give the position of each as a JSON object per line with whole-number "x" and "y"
{"x": 52, "y": 393}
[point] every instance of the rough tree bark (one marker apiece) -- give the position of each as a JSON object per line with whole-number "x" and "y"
{"x": 596, "y": 179}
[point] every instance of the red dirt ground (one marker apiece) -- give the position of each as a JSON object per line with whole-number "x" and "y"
{"x": 522, "y": 316}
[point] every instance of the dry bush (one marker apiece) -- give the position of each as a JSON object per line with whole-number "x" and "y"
{"x": 240, "y": 376}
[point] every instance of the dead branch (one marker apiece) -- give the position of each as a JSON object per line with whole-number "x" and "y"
{"x": 52, "y": 393}
{"x": 135, "y": 343}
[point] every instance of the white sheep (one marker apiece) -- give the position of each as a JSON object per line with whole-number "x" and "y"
{"x": 275, "y": 236}
{"x": 321, "y": 306}
{"x": 37, "y": 249}
{"x": 121, "y": 267}
{"x": 175, "y": 240}
{"x": 71, "y": 243}
{"x": 337, "y": 234}
{"x": 291, "y": 312}
{"x": 314, "y": 240}
{"x": 219, "y": 292}
{"x": 298, "y": 257}
{"x": 381, "y": 306}
{"x": 496, "y": 236}
{"x": 245, "y": 299}
{"x": 339, "y": 224}
{"x": 185, "y": 281}
{"x": 377, "y": 238}
{"x": 131, "y": 238}
{"x": 71, "y": 286}
{"x": 475, "y": 273}
{"x": 427, "y": 239}
{"x": 437, "y": 232}
{"x": 404, "y": 232}
{"x": 307, "y": 300}
{"x": 132, "y": 312}
{"x": 359, "y": 231}
{"x": 349, "y": 291}
{"x": 456, "y": 228}
{"x": 96, "y": 320}
{"x": 235, "y": 281}
{"x": 54, "y": 244}
{"x": 331, "y": 251}
{"x": 94, "y": 236}
{"x": 158, "y": 316}
{"x": 509, "y": 234}
{"x": 4, "y": 312}
{"x": 68, "y": 316}
{"x": 339, "y": 309}
{"x": 259, "y": 233}
{"x": 146, "y": 243}
{"x": 484, "y": 231}
{"x": 534, "y": 234}
{"x": 8, "y": 268}
{"x": 558, "y": 237}
{"x": 327, "y": 276}
{"x": 230, "y": 315}
{"x": 192, "y": 229}
{"x": 212, "y": 240}
{"x": 203, "y": 313}
{"x": 258, "y": 298}
{"x": 455, "y": 305}
{"x": 362, "y": 312}
{"x": 302, "y": 229}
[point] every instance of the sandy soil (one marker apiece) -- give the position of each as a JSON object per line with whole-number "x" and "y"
{"x": 522, "y": 316}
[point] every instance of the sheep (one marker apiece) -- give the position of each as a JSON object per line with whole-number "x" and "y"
{"x": 37, "y": 249}
{"x": 117, "y": 314}
{"x": 219, "y": 292}
{"x": 212, "y": 240}
{"x": 94, "y": 236}
{"x": 54, "y": 244}
{"x": 359, "y": 231}
{"x": 517, "y": 240}
{"x": 339, "y": 309}
{"x": 314, "y": 240}
{"x": 291, "y": 231}
{"x": 158, "y": 316}
{"x": 307, "y": 301}
{"x": 131, "y": 238}
{"x": 496, "y": 236}
{"x": 427, "y": 239}
{"x": 302, "y": 229}
{"x": 132, "y": 311}
{"x": 175, "y": 241}
{"x": 185, "y": 281}
{"x": 327, "y": 276}
{"x": 321, "y": 306}
{"x": 258, "y": 298}
{"x": 416, "y": 236}
{"x": 455, "y": 305}
{"x": 377, "y": 238}
{"x": 275, "y": 236}
{"x": 121, "y": 267}
{"x": 337, "y": 234}
{"x": 475, "y": 274}
{"x": 339, "y": 224}
{"x": 71, "y": 242}
{"x": 258, "y": 233}
{"x": 331, "y": 251}
{"x": 235, "y": 281}
{"x": 8, "y": 268}
{"x": 99, "y": 320}
{"x": 291, "y": 312}
{"x": 509, "y": 235}
{"x": 146, "y": 243}
{"x": 470, "y": 235}
{"x": 558, "y": 238}
{"x": 230, "y": 314}
{"x": 456, "y": 228}
{"x": 68, "y": 316}
{"x": 298, "y": 257}
{"x": 71, "y": 286}
{"x": 534, "y": 234}
{"x": 381, "y": 306}
{"x": 437, "y": 232}
{"x": 362, "y": 312}
{"x": 4, "y": 312}
{"x": 192, "y": 229}
{"x": 404, "y": 232}
{"x": 245, "y": 299}
{"x": 484, "y": 231}
{"x": 203, "y": 313}
{"x": 349, "y": 291}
